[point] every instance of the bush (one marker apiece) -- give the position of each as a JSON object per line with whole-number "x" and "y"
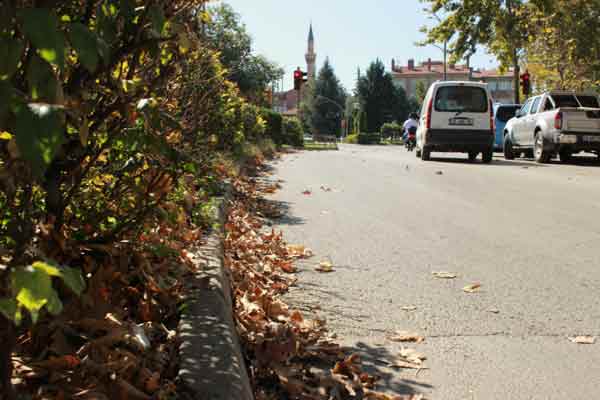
{"x": 390, "y": 129}
{"x": 351, "y": 139}
{"x": 274, "y": 126}
{"x": 293, "y": 132}
{"x": 369, "y": 138}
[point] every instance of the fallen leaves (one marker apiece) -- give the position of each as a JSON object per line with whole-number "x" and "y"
{"x": 444, "y": 275}
{"x": 583, "y": 339}
{"x": 325, "y": 266}
{"x": 472, "y": 288}
{"x": 408, "y": 308}
{"x": 283, "y": 346}
{"x": 404, "y": 336}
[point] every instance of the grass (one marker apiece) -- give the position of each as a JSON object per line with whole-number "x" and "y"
{"x": 320, "y": 146}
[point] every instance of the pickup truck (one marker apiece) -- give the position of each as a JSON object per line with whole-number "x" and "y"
{"x": 558, "y": 122}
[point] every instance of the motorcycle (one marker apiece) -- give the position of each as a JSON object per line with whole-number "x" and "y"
{"x": 411, "y": 139}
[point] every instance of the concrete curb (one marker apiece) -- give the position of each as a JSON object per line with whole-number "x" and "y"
{"x": 211, "y": 362}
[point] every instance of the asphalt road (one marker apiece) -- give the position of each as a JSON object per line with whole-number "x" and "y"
{"x": 530, "y": 234}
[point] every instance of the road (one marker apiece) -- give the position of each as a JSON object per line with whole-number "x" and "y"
{"x": 528, "y": 233}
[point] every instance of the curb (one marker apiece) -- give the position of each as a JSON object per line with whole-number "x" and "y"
{"x": 211, "y": 362}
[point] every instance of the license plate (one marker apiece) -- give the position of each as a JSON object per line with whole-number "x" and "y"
{"x": 460, "y": 121}
{"x": 591, "y": 138}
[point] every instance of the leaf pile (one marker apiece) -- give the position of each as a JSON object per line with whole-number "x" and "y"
{"x": 289, "y": 355}
{"x": 118, "y": 339}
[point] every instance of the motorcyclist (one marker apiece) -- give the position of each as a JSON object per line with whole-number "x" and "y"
{"x": 411, "y": 122}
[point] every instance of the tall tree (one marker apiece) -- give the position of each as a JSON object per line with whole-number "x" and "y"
{"x": 227, "y": 34}
{"x": 564, "y": 50}
{"x": 382, "y": 101}
{"x": 500, "y": 25}
{"x": 328, "y": 102}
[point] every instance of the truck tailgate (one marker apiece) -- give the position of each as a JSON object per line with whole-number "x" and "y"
{"x": 581, "y": 120}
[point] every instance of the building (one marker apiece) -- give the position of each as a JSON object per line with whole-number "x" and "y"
{"x": 286, "y": 102}
{"x": 500, "y": 84}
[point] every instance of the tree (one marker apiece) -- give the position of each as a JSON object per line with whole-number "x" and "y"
{"x": 381, "y": 100}
{"x": 500, "y": 25}
{"x": 420, "y": 91}
{"x": 227, "y": 34}
{"x": 328, "y": 100}
{"x": 563, "y": 52}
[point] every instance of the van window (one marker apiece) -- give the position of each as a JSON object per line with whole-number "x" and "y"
{"x": 526, "y": 106}
{"x": 535, "y": 105}
{"x": 565, "y": 100}
{"x": 461, "y": 99}
{"x": 588, "y": 101}
{"x": 504, "y": 113}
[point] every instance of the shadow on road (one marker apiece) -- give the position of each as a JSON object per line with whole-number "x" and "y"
{"x": 376, "y": 359}
{"x": 278, "y": 212}
{"x": 495, "y": 162}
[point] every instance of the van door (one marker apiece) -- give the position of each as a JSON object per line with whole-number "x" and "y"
{"x": 529, "y": 123}
{"x": 518, "y": 127}
{"x": 461, "y": 107}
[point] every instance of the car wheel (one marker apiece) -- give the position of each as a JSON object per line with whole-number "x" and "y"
{"x": 541, "y": 156}
{"x": 487, "y": 156}
{"x": 473, "y": 155}
{"x": 509, "y": 153}
{"x": 425, "y": 154}
{"x": 565, "y": 156}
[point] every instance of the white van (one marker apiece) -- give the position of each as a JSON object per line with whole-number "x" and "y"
{"x": 457, "y": 117}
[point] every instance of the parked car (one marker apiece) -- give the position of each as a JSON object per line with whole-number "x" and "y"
{"x": 558, "y": 122}
{"x": 502, "y": 113}
{"x": 457, "y": 117}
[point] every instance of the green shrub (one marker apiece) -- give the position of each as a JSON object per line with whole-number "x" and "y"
{"x": 352, "y": 139}
{"x": 369, "y": 138}
{"x": 390, "y": 129}
{"x": 293, "y": 132}
{"x": 274, "y": 126}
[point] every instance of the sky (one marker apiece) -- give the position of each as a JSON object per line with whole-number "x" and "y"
{"x": 351, "y": 33}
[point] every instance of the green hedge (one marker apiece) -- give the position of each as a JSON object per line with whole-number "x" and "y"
{"x": 274, "y": 126}
{"x": 390, "y": 129}
{"x": 369, "y": 138}
{"x": 293, "y": 132}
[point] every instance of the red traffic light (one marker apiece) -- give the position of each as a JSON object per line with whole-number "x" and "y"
{"x": 297, "y": 74}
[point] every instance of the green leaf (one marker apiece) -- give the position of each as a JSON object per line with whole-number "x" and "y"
{"x": 42, "y": 81}
{"x": 70, "y": 276}
{"x": 85, "y": 44}
{"x": 158, "y": 20}
{"x": 33, "y": 288}
{"x": 8, "y": 307}
{"x": 10, "y": 54}
{"x": 39, "y": 134}
{"x": 73, "y": 279}
{"x": 41, "y": 26}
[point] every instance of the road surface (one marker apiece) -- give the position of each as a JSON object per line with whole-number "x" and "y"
{"x": 528, "y": 233}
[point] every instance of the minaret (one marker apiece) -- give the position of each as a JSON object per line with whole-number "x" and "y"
{"x": 311, "y": 56}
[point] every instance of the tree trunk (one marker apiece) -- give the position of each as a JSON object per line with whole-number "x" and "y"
{"x": 7, "y": 344}
{"x": 517, "y": 74}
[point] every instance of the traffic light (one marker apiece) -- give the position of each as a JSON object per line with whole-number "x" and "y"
{"x": 525, "y": 83}
{"x": 297, "y": 79}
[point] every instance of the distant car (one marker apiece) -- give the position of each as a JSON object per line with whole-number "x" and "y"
{"x": 457, "y": 117}
{"x": 502, "y": 113}
{"x": 558, "y": 122}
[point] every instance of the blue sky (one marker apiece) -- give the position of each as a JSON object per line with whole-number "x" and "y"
{"x": 351, "y": 33}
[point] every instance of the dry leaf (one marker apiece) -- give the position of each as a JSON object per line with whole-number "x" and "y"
{"x": 443, "y": 275}
{"x": 325, "y": 266}
{"x": 325, "y": 188}
{"x": 412, "y": 356}
{"x": 472, "y": 288}
{"x": 494, "y": 310}
{"x": 402, "y": 336}
{"x": 583, "y": 339}
{"x": 405, "y": 364}
{"x": 408, "y": 308}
